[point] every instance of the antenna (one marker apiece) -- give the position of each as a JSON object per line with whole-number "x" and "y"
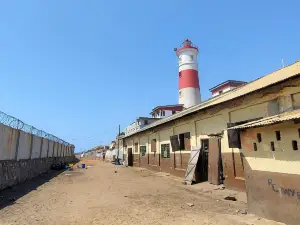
{"x": 282, "y": 62}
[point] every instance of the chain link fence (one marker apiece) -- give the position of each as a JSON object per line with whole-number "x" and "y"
{"x": 15, "y": 123}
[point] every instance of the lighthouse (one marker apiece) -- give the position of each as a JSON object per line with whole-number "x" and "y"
{"x": 189, "y": 89}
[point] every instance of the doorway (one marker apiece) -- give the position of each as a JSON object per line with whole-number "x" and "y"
{"x": 130, "y": 158}
{"x": 201, "y": 173}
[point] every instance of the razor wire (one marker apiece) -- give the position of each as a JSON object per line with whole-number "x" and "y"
{"x": 17, "y": 124}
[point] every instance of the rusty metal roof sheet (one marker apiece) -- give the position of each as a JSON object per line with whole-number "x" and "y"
{"x": 295, "y": 114}
{"x": 260, "y": 83}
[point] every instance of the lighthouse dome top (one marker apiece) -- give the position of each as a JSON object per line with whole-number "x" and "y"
{"x": 186, "y": 44}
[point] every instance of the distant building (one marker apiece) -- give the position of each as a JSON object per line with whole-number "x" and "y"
{"x": 226, "y": 86}
{"x": 139, "y": 124}
{"x": 165, "y": 111}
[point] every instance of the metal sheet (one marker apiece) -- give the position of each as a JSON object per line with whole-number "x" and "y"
{"x": 295, "y": 114}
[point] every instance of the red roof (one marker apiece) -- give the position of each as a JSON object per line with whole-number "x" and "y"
{"x": 185, "y": 45}
{"x": 178, "y": 107}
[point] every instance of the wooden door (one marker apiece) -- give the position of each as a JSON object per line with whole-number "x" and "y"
{"x": 154, "y": 156}
{"x": 130, "y": 158}
{"x": 214, "y": 158}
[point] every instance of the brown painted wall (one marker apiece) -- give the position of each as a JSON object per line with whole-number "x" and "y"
{"x": 273, "y": 195}
{"x": 233, "y": 171}
{"x": 161, "y": 164}
{"x": 136, "y": 160}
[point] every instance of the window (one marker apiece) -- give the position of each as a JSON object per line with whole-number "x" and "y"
{"x": 146, "y": 122}
{"x": 255, "y": 147}
{"x": 143, "y": 150}
{"x": 192, "y": 57}
{"x": 173, "y": 112}
{"x": 295, "y": 145}
{"x": 259, "y": 137}
{"x": 165, "y": 151}
{"x": 180, "y": 94}
{"x": 278, "y": 136}
{"x": 220, "y": 92}
{"x": 181, "y": 142}
{"x": 272, "y": 146}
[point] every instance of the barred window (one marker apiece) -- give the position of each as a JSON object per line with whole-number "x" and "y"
{"x": 165, "y": 151}
{"x": 143, "y": 150}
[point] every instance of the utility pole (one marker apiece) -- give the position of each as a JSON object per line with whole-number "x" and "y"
{"x": 118, "y": 144}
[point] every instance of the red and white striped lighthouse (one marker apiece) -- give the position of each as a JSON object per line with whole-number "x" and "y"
{"x": 189, "y": 89}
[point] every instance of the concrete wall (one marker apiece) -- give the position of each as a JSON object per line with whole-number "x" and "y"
{"x": 36, "y": 147}
{"x": 51, "y": 148}
{"x": 24, "y": 148}
{"x": 210, "y": 121}
{"x": 23, "y": 155}
{"x": 45, "y": 147}
{"x": 8, "y": 139}
{"x": 273, "y": 177}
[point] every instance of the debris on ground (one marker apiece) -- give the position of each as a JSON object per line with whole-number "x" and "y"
{"x": 219, "y": 188}
{"x": 116, "y": 171}
{"x": 190, "y": 204}
{"x": 242, "y": 211}
{"x": 230, "y": 198}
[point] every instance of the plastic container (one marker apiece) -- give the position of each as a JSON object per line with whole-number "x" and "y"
{"x": 82, "y": 166}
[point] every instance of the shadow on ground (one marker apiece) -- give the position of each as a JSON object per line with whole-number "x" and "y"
{"x": 9, "y": 195}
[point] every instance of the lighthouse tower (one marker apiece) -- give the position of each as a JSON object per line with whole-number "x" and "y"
{"x": 189, "y": 90}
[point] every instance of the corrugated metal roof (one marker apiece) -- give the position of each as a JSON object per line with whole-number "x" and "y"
{"x": 270, "y": 79}
{"x": 295, "y": 114}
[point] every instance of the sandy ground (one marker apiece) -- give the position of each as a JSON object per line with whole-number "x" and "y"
{"x": 99, "y": 195}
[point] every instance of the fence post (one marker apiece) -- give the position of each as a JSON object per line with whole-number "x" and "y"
{"x": 17, "y": 144}
{"x": 31, "y": 144}
{"x": 41, "y": 148}
{"x": 53, "y": 148}
{"x": 48, "y": 148}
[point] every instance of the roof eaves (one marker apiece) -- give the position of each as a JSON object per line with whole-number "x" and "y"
{"x": 226, "y": 82}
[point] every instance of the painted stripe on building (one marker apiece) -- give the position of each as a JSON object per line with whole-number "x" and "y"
{"x": 188, "y": 78}
{"x": 272, "y": 165}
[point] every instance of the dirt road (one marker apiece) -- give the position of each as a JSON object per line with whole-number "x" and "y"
{"x": 98, "y": 195}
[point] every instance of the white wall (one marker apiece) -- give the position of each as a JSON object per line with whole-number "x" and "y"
{"x": 36, "y": 147}
{"x": 167, "y": 113}
{"x": 24, "y": 146}
{"x": 8, "y": 139}
{"x": 51, "y": 146}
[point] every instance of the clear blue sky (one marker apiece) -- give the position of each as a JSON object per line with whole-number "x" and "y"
{"x": 79, "y": 68}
